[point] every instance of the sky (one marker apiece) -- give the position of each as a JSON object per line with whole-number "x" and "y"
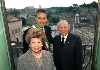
{"x": 21, "y": 4}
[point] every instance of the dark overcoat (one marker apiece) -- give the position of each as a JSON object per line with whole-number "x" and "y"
{"x": 70, "y": 56}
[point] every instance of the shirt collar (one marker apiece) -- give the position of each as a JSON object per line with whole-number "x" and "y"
{"x": 42, "y": 28}
{"x": 65, "y": 37}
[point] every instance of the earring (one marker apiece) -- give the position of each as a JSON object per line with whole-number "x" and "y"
{"x": 42, "y": 45}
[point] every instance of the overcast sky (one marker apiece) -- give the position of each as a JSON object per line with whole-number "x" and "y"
{"x": 20, "y": 4}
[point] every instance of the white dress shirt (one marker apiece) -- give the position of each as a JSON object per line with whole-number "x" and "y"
{"x": 65, "y": 37}
{"x": 43, "y": 29}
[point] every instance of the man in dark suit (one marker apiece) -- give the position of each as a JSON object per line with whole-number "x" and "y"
{"x": 41, "y": 19}
{"x": 67, "y": 49}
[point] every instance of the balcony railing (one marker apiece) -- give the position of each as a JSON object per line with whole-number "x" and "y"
{"x": 87, "y": 55}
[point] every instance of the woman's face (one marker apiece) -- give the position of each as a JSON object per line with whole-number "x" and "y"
{"x": 36, "y": 44}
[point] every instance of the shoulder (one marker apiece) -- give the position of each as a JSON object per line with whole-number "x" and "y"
{"x": 47, "y": 27}
{"x": 25, "y": 31}
{"x": 23, "y": 57}
{"x": 57, "y": 36}
{"x": 47, "y": 53}
{"x": 73, "y": 35}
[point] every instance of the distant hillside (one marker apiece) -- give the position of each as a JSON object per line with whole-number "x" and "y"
{"x": 73, "y": 8}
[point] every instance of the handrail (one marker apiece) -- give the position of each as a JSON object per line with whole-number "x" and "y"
{"x": 17, "y": 50}
{"x": 84, "y": 55}
{"x": 84, "y": 64}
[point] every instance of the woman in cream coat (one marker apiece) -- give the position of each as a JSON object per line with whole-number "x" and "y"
{"x": 35, "y": 58}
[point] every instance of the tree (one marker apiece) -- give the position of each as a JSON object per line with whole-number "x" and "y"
{"x": 74, "y": 10}
{"x": 55, "y": 18}
{"x": 23, "y": 21}
{"x": 93, "y": 4}
{"x": 13, "y": 12}
{"x": 49, "y": 13}
{"x": 70, "y": 9}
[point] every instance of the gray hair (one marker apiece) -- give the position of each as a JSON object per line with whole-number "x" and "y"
{"x": 63, "y": 21}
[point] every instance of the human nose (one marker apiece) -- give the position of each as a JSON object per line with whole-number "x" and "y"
{"x": 42, "y": 20}
{"x": 36, "y": 44}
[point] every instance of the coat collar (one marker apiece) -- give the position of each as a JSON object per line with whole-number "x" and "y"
{"x": 69, "y": 37}
{"x": 67, "y": 42}
{"x": 30, "y": 56}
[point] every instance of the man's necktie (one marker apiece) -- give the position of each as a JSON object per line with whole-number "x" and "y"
{"x": 62, "y": 42}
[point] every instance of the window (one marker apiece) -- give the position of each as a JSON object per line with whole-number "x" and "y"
{"x": 18, "y": 29}
{"x": 12, "y": 32}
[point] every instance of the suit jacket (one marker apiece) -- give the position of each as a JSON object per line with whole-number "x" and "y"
{"x": 70, "y": 56}
{"x": 48, "y": 35}
{"x": 28, "y": 62}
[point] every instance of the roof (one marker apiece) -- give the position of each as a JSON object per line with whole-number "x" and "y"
{"x": 10, "y": 17}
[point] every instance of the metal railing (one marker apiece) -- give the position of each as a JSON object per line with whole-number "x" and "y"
{"x": 87, "y": 51}
{"x": 87, "y": 56}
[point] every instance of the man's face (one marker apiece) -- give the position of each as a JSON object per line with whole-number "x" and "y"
{"x": 41, "y": 19}
{"x": 63, "y": 28}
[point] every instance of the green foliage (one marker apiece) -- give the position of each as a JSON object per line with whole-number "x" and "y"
{"x": 83, "y": 5}
{"x": 13, "y": 12}
{"x": 23, "y": 21}
{"x": 93, "y": 4}
{"x": 74, "y": 10}
{"x": 54, "y": 19}
{"x": 64, "y": 9}
{"x": 49, "y": 13}
{"x": 71, "y": 8}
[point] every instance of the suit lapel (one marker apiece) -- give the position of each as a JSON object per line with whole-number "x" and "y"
{"x": 45, "y": 30}
{"x": 60, "y": 43}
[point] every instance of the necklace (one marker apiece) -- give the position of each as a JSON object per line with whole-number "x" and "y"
{"x": 38, "y": 56}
